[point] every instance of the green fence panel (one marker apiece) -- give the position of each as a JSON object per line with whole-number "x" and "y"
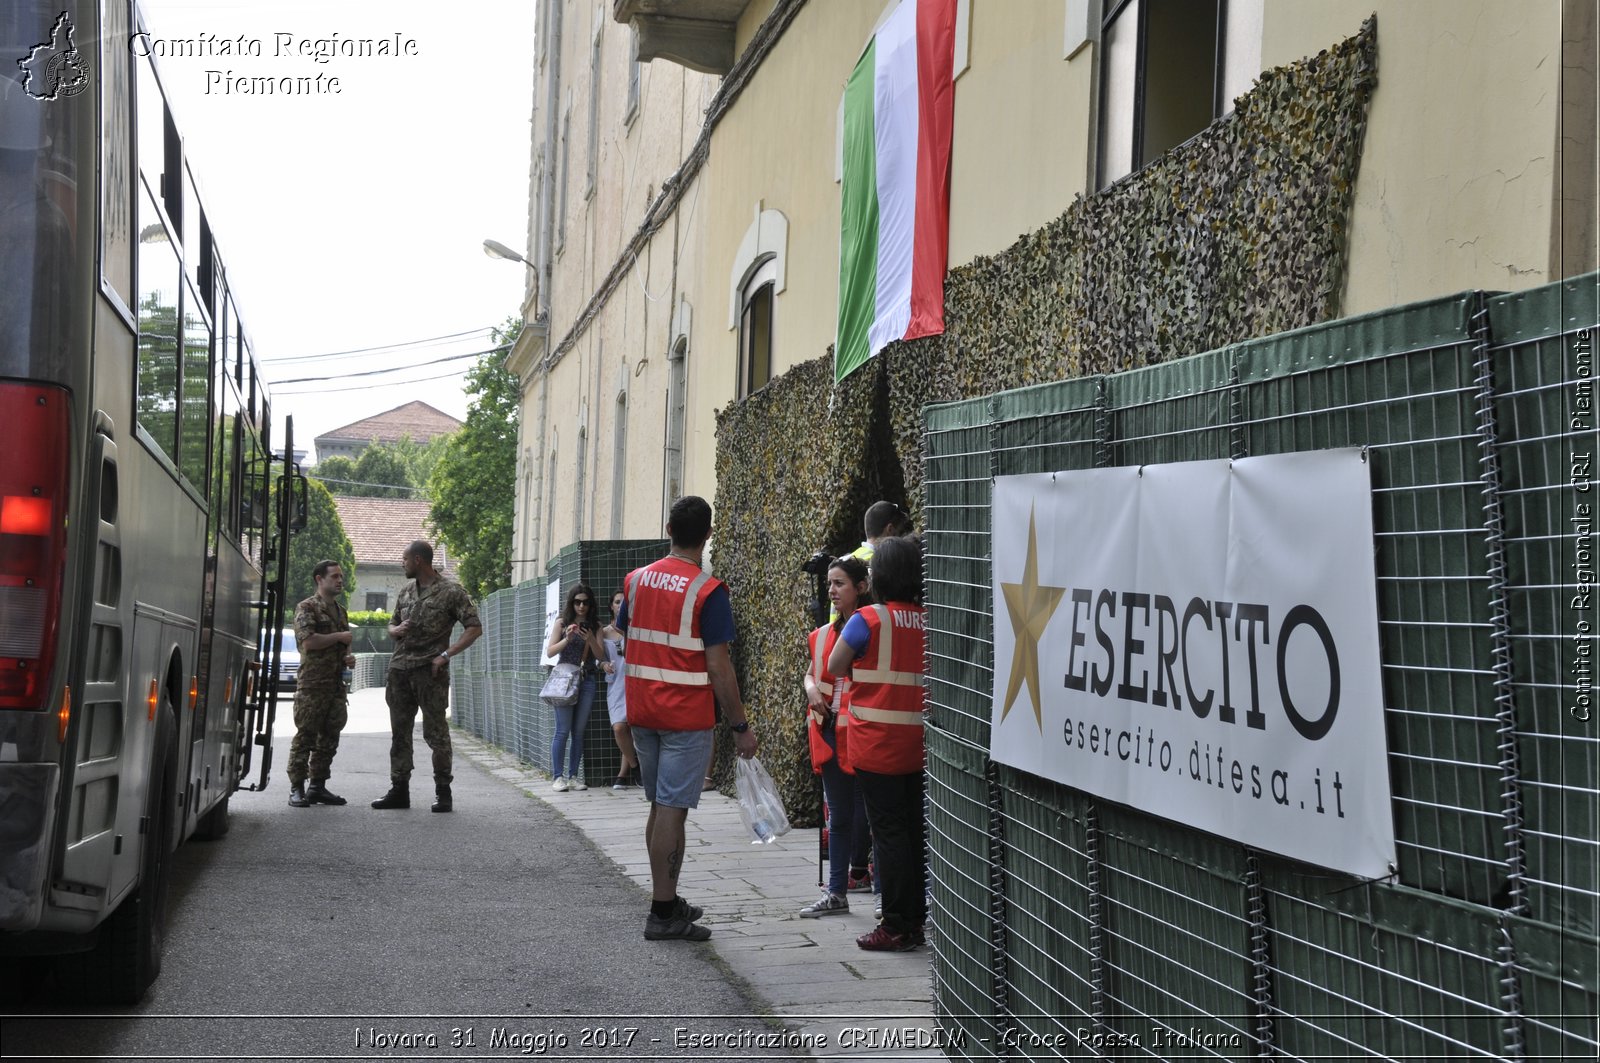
{"x": 1381, "y": 973}
{"x": 1543, "y": 366}
{"x": 1402, "y": 385}
{"x": 962, "y": 891}
{"x": 1177, "y": 939}
{"x": 960, "y": 646}
{"x": 1050, "y": 932}
{"x": 1161, "y": 942}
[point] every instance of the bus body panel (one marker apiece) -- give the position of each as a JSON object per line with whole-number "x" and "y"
{"x": 161, "y": 571}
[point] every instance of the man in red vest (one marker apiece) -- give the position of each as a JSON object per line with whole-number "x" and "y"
{"x": 679, "y": 624}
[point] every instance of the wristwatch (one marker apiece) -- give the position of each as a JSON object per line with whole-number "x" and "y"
{"x": 739, "y": 728}
{"x": 444, "y": 654}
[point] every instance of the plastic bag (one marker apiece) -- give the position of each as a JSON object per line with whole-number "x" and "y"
{"x": 759, "y": 804}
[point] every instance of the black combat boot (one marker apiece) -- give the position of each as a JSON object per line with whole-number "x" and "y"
{"x": 399, "y": 796}
{"x": 297, "y": 796}
{"x": 443, "y": 803}
{"x": 319, "y": 794}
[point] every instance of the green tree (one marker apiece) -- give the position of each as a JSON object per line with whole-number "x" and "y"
{"x": 474, "y": 482}
{"x": 382, "y": 473}
{"x": 322, "y": 539}
{"x": 337, "y": 473}
{"x": 420, "y": 458}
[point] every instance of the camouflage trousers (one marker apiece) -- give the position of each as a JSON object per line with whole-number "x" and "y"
{"x": 319, "y": 715}
{"x": 407, "y": 690}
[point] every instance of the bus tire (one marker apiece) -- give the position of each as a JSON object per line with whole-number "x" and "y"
{"x": 127, "y": 958}
{"x": 215, "y": 823}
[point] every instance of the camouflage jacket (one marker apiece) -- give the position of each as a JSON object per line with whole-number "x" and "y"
{"x": 433, "y": 612}
{"x": 318, "y": 616}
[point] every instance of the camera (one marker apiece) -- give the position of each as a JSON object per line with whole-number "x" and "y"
{"x": 817, "y": 564}
{"x": 816, "y": 567}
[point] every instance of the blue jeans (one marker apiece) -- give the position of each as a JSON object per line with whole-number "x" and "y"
{"x": 572, "y": 721}
{"x": 849, "y": 841}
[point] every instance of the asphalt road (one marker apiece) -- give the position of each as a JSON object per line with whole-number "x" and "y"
{"x": 497, "y": 930}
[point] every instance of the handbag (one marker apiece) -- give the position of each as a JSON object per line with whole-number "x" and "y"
{"x": 759, "y": 804}
{"x": 560, "y": 688}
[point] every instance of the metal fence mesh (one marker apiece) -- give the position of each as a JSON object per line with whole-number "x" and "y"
{"x": 495, "y": 686}
{"x": 1137, "y": 938}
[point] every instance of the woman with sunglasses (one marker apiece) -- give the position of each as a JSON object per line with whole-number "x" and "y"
{"x": 575, "y": 639}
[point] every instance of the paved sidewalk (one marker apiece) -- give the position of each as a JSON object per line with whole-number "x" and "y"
{"x": 866, "y": 1004}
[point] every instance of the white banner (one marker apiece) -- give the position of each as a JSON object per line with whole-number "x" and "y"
{"x": 552, "y": 609}
{"x": 1200, "y": 640}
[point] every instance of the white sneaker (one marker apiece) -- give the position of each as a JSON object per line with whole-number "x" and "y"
{"x": 576, "y": 783}
{"x": 827, "y": 904}
{"x": 560, "y": 785}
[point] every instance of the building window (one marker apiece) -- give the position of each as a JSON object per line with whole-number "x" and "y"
{"x": 594, "y": 104}
{"x": 619, "y": 465}
{"x": 755, "y": 329}
{"x": 566, "y": 158}
{"x": 1167, "y": 69}
{"x": 677, "y": 402}
{"x": 377, "y": 600}
{"x": 630, "y": 110}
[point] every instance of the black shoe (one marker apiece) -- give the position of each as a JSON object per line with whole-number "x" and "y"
{"x": 319, "y": 794}
{"x": 444, "y": 803}
{"x": 399, "y": 796}
{"x": 298, "y": 798}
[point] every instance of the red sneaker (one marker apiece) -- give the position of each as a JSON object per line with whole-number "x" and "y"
{"x": 882, "y": 939}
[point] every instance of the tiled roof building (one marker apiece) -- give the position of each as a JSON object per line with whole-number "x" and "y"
{"x": 415, "y": 419}
{"x": 380, "y": 529}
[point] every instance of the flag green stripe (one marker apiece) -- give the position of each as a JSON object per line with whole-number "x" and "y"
{"x": 858, "y": 244}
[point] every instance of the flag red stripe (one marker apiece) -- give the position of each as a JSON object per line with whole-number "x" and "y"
{"x": 936, "y": 34}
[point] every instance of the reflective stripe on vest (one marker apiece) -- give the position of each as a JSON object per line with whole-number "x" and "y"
{"x": 668, "y": 675}
{"x": 901, "y": 717}
{"x": 821, "y": 644}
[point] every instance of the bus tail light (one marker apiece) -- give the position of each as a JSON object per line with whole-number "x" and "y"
{"x": 33, "y": 539}
{"x": 64, "y": 715}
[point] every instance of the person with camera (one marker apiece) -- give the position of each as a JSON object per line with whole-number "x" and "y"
{"x": 575, "y": 640}
{"x": 828, "y": 723}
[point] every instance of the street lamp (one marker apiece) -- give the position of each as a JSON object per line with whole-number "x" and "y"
{"x": 495, "y": 249}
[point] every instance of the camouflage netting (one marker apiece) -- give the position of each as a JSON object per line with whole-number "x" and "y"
{"x": 1237, "y": 233}
{"x": 795, "y": 470}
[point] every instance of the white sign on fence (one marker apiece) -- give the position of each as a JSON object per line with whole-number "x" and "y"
{"x": 1200, "y": 640}
{"x": 552, "y": 609}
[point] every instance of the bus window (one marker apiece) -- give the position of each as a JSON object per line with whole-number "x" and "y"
{"x": 117, "y": 186}
{"x": 223, "y": 404}
{"x": 193, "y": 222}
{"x": 158, "y": 329}
{"x": 150, "y": 126}
{"x": 194, "y": 421}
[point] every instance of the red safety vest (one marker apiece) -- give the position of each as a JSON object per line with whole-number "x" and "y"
{"x": 886, "y": 692}
{"x": 668, "y": 686}
{"x": 821, "y": 642}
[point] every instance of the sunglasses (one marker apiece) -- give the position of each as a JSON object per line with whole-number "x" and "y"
{"x": 580, "y": 601}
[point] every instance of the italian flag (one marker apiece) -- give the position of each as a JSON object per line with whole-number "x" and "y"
{"x": 895, "y": 203}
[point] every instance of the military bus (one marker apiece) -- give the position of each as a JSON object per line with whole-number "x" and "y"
{"x": 137, "y": 532}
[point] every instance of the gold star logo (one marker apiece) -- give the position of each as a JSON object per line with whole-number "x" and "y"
{"x": 1031, "y": 607}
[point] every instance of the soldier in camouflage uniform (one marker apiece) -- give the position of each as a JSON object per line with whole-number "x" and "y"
{"x": 428, "y": 608}
{"x": 322, "y": 631}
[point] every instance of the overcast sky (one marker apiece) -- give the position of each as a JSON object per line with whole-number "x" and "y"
{"x": 356, "y": 219}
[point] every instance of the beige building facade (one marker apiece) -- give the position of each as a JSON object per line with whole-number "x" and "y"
{"x": 684, "y": 232}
